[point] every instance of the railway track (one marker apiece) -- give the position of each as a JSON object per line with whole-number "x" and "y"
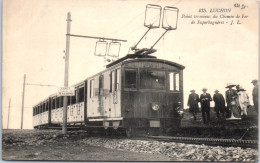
{"x": 209, "y": 141}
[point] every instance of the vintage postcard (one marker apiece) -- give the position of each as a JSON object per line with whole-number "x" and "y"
{"x": 130, "y": 80}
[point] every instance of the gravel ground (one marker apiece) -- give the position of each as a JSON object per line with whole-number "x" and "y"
{"x": 35, "y": 140}
{"x": 178, "y": 151}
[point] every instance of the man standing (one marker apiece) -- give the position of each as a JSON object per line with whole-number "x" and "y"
{"x": 255, "y": 94}
{"x": 219, "y": 104}
{"x": 232, "y": 102}
{"x": 205, "y": 99}
{"x": 193, "y": 103}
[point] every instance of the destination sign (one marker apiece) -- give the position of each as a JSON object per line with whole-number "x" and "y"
{"x": 66, "y": 91}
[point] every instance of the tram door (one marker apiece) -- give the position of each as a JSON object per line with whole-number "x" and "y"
{"x": 115, "y": 95}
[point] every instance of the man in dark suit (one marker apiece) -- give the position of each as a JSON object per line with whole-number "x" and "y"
{"x": 255, "y": 94}
{"x": 219, "y": 104}
{"x": 205, "y": 99}
{"x": 193, "y": 103}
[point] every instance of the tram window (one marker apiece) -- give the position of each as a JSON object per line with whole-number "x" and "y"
{"x": 117, "y": 79}
{"x": 53, "y": 104}
{"x": 171, "y": 81}
{"x": 73, "y": 100}
{"x": 57, "y": 102}
{"x": 101, "y": 83}
{"x": 110, "y": 79}
{"x": 177, "y": 81}
{"x": 81, "y": 94}
{"x": 130, "y": 78}
{"x": 61, "y": 102}
{"x": 40, "y": 108}
{"x": 152, "y": 79}
{"x": 114, "y": 85}
{"x": 44, "y": 109}
{"x": 47, "y": 106}
{"x": 69, "y": 100}
{"x": 91, "y": 94}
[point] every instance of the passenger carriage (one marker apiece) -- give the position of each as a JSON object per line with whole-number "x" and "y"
{"x": 41, "y": 114}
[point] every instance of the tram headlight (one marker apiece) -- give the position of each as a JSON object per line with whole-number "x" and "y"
{"x": 155, "y": 106}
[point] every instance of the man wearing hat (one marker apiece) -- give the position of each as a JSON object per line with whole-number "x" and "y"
{"x": 219, "y": 104}
{"x": 255, "y": 94}
{"x": 232, "y": 102}
{"x": 193, "y": 103}
{"x": 205, "y": 99}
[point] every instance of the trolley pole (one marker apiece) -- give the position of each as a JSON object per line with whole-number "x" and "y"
{"x": 66, "y": 76}
{"x": 23, "y": 100}
{"x": 8, "y": 113}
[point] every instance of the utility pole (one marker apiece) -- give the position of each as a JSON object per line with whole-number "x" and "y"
{"x": 8, "y": 113}
{"x": 23, "y": 100}
{"x": 66, "y": 76}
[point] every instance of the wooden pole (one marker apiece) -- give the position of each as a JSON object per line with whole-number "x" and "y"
{"x": 66, "y": 76}
{"x": 8, "y": 113}
{"x": 23, "y": 100}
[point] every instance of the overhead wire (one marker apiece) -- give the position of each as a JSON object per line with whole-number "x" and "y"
{"x": 131, "y": 20}
{"x": 43, "y": 85}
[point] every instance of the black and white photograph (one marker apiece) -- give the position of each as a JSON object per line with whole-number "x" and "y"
{"x": 130, "y": 80}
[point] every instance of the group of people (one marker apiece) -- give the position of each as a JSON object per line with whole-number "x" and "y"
{"x": 237, "y": 102}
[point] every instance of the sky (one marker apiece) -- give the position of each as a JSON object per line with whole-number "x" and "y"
{"x": 34, "y": 41}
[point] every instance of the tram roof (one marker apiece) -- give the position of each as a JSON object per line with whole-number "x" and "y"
{"x": 143, "y": 57}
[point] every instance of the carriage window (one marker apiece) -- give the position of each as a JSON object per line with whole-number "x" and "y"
{"x": 57, "y": 102}
{"x": 174, "y": 78}
{"x": 53, "y": 103}
{"x": 117, "y": 79}
{"x": 73, "y": 99}
{"x": 44, "y": 107}
{"x": 69, "y": 100}
{"x": 41, "y": 108}
{"x": 114, "y": 86}
{"x": 110, "y": 79}
{"x": 171, "y": 81}
{"x": 47, "y": 106}
{"x": 130, "y": 78}
{"x": 91, "y": 88}
{"x": 177, "y": 81}
{"x": 101, "y": 83}
{"x": 152, "y": 79}
{"x": 61, "y": 102}
{"x": 81, "y": 94}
